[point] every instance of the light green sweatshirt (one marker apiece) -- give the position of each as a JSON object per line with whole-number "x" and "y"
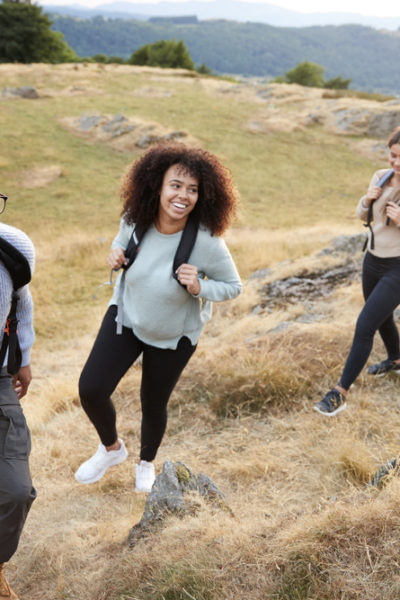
{"x": 155, "y": 306}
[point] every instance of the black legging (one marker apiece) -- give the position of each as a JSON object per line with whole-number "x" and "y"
{"x": 381, "y": 288}
{"x": 109, "y": 360}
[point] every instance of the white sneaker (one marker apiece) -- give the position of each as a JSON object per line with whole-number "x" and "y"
{"x": 145, "y": 476}
{"x": 93, "y": 469}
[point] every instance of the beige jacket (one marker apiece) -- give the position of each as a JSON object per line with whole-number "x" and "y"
{"x": 386, "y": 237}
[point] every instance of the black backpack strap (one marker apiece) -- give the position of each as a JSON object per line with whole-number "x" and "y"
{"x": 16, "y": 264}
{"x": 368, "y": 224}
{"x": 133, "y": 244}
{"x": 10, "y": 340}
{"x": 185, "y": 247}
{"x": 130, "y": 253}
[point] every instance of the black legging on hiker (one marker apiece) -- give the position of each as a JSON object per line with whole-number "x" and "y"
{"x": 109, "y": 360}
{"x": 381, "y": 288}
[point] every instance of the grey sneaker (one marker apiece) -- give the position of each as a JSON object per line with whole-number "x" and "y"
{"x": 380, "y": 369}
{"x": 385, "y": 473}
{"x": 331, "y": 404}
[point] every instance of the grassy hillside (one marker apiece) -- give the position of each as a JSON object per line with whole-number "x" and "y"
{"x": 363, "y": 54}
{"x": 304, "y": 526}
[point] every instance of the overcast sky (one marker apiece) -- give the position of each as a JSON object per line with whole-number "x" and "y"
{"x": 381, "y": 8}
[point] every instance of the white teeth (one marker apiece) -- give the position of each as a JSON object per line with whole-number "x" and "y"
{"x": 178, "y": 205}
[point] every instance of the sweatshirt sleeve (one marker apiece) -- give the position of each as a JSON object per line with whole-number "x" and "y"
{"x": 362, "y": 210}
{"x": 123, "y": 236}
{"x": 222, "y": 281}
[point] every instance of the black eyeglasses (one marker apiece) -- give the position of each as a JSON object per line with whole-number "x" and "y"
{"x": 3, "y": 200}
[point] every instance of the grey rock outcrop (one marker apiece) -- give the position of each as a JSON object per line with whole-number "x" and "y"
{"x": 310, "y": 285}
{"x": 26, "y": 91}
{"x": 176, "y": 491}
{"x": 122, "y": 133}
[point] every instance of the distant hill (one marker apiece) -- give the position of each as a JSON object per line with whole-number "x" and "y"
{"x": 367, "y": 56}
{"x": 221, "y": 9}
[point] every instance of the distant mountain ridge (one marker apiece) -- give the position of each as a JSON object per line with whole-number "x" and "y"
{"x": 367, "y": 56}
{"x": 225, "y": 9}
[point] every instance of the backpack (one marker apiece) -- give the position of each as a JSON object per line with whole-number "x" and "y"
{"x": 20, "y": 272}
{"x": 382, "y": 181}
{"x": 182, "y": 254}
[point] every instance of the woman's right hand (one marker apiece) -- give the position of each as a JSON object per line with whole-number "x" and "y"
{"x": 372, "y": 194}
{"x": 116, "y": 258}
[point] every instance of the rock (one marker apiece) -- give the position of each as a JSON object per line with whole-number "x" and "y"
{"x": 260, "y": 273}
{"x": 308, "y": 285}
{"x": 381, "y": 124}
{"x": 27, "y": 91}
{"x": 175, "y": 491}
{"x": 283, "y": 326}
{"x": 349, "y": 244}
{"x": 122, "y": 133}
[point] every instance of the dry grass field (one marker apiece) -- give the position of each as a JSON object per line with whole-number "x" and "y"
{"x": 304, "y": 525}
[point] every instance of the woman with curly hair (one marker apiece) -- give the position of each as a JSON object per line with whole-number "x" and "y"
{"x": 162, "y": 312}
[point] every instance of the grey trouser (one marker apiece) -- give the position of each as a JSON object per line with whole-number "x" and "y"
{"x": 16, "y": 491}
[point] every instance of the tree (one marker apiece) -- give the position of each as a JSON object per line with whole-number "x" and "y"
{"x": 26, "y": 35}
{"x": 164, "y": 53}
{"x": 337, "y": 83}
{"x": 203, "y": 69}
{"x": 306, "y": 73}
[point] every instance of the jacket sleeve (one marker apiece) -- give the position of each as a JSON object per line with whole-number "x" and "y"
{"x": 362, "y": 210}
{"x": 26, "y": 334}
{"x": 24, "y": 315}
{"x": 221, "y": 281}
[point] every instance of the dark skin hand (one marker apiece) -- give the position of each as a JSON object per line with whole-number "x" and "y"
{"x": 22, "y": 380}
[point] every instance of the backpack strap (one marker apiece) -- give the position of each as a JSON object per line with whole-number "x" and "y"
{"x": 130, "y": 253}
{"x": 16, "y": 264}
{"x": 185, "y": 247}
{"x": 382, "y": 181}
{"x": 10, "y": 340}
{"x": 182, "y": 254}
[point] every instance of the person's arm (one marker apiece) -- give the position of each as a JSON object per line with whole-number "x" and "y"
{"x": 221, "y": 282}
{"x": 26, "y": 338}
{"x": 373, "y": 193}
{"x": 116, "y": 258}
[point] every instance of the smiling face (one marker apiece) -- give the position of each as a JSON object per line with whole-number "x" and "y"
{"x": 394, "y": 158}
{"x": 178, "y": 196}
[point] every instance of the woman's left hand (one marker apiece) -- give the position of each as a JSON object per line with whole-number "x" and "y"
{"x": 393, "y": 212}
{"x": 188, "y": 276}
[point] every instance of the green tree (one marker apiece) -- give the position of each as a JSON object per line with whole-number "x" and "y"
{"x": 306, "y": 73}
{"x": 337, "y": 83}
{"x": 203, "y": 69}
{"x": 100, "y": 58}
{"x": 164, "y": 53}
{"x": 26, "y": 36}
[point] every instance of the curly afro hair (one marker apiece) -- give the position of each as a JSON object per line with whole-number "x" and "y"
{"x": 140, "y": 192}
